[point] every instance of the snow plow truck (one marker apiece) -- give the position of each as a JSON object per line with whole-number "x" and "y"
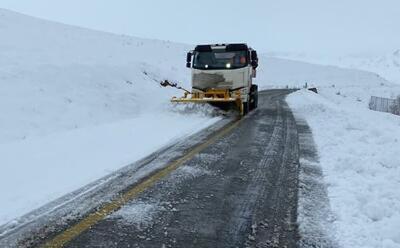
{"x": 222, "y": 75}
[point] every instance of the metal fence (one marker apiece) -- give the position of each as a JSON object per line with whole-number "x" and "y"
{"x": 385, "y": 105}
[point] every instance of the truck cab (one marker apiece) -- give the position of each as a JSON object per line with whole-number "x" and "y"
{"x": 229, "y": 67}
{"x": 222, "y": 75}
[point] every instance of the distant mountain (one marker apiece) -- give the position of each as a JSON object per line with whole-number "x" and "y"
{"x": 386, "y": 65}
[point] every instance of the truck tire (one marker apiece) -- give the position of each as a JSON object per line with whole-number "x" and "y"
{"x": 246, "y": 108}
{"x": 253, "y": 96}
{"x": 256, "y": 100}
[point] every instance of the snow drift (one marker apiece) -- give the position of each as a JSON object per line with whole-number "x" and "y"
{"x": 358, "y": 151}
{"x": 78, "y": 104}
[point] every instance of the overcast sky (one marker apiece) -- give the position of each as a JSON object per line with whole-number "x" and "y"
{"x": 334, "y": 26}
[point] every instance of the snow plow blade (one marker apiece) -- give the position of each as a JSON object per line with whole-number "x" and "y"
{"x": 202, "y": 100}
{"x": 220, "y": 98}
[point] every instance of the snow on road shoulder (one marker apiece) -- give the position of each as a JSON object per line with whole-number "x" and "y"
{"x": 359, "y": 154}
{"x": 38, "y": 170}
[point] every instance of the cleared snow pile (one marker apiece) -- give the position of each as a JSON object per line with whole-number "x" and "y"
{"x": 358, "y": 148}
{"x": 78, "y": 104}
{"x": 359, "y": 154}
{"x": 198, "y": 109}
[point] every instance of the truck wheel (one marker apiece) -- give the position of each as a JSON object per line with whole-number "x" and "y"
{"x": 256, "y": 99}
{"x": 246, "y": 108}
{"x": 251, "y": 102}
{"x": 253, "y": 96}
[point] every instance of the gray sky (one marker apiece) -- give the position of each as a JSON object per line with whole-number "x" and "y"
{"x": 339, "y": 26}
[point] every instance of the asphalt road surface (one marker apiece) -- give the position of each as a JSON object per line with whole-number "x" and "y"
{"x": 241, "y": 190}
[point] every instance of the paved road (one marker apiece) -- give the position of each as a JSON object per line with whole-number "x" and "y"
{"x": 239, "y": 192}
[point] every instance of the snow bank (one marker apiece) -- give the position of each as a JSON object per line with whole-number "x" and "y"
{"x": 359, "y": 154}
{"x": 79, "y": 104}
{"x": 43, "y": 169}
{"x": 358, "y": 148}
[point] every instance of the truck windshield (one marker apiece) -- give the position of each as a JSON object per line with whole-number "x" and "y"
{"x": 220, "y": 60}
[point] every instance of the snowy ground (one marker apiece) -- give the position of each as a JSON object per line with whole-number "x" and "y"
{"x": 358, "y": 151}
{"x": 78, "y": 104}
{"x": 358, "y": 148}
{"x": 43, "y": 169}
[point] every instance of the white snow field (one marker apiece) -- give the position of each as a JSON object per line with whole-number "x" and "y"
{"x": 358, "y": 148}
{"x": 78, "y": 104}
{"x": 359, "y": 155}
{"x": 385, "y": 63}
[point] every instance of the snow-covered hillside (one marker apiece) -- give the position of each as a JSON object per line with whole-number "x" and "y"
{"x": 78, "y": 104}
{"x": 55, "y": 77}
{"x": 385, "y": 64}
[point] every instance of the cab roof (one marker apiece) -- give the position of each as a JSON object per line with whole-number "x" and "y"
{"x": 227, "y": 47}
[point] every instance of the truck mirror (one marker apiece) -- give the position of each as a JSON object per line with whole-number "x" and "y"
{"x": 254, "y": 55}
{"x": 189, "y": 60}
{"x": 254, "y": 59}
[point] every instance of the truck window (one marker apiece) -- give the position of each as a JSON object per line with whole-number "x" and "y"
{"x": 220, "y": 60}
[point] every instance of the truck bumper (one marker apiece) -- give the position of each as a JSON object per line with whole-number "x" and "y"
{"x": 213, "y": 96}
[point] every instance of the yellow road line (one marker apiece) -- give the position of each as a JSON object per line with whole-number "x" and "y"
{"x": 63, "y": 238}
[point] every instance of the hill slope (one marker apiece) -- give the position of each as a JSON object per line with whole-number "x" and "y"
{"x": 55, "y": 77}
{"x": 78, "y": 104}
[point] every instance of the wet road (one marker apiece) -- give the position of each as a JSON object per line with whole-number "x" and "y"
{"x": 239, "y": 192}
{"x": 236, "y": 187}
